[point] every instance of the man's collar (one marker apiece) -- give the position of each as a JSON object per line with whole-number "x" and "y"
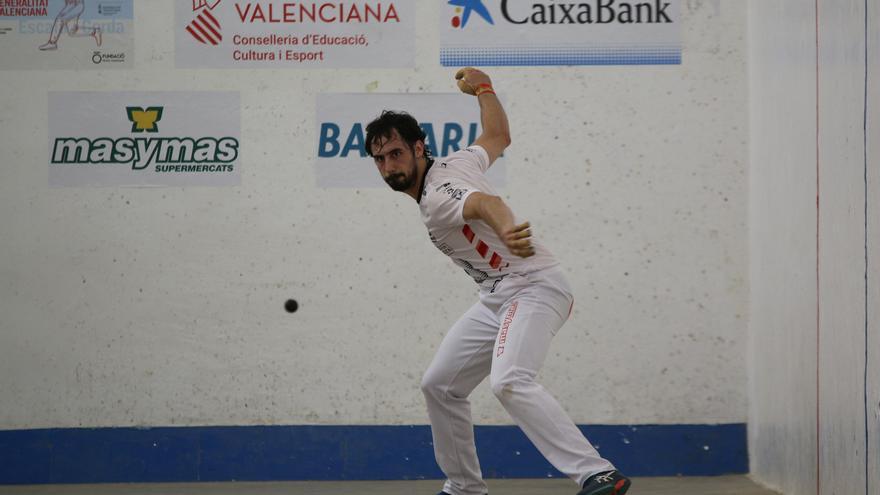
{"x": 424, "y": 176}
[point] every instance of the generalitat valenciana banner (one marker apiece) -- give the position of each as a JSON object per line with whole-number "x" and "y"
{"x": 277, "y": 34}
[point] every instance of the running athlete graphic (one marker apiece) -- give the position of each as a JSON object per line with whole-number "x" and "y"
{"x": 69, "y": 17}
{"x": 524, "y": 299}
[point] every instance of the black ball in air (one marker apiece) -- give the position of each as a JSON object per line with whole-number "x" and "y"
{"x": 291, "y": 306}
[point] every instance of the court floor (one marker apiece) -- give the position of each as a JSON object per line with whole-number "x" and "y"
{"x": 716, "y": 485}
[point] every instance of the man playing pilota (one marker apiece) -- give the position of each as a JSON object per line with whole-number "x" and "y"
{"x": 524, "y": 299}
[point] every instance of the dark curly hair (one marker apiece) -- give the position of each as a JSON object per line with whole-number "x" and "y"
{"x": 405, "y": 125}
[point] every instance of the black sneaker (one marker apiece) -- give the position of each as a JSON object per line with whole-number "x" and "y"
{"x": 607, "y": 483}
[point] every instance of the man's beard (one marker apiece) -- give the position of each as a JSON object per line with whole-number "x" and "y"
{"x": 400, "y": 181}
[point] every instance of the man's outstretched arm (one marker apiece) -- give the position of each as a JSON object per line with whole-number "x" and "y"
{"x": 496, "y": 130}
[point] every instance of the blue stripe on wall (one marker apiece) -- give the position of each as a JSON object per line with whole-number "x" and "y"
{"x": 561, "y": 55}
{"x": 263, "y": 453}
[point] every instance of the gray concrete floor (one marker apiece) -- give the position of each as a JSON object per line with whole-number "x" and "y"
{"x": 718, "y": 485}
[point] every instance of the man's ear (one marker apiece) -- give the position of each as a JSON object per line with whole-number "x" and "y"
{"x": 419, "y": 148}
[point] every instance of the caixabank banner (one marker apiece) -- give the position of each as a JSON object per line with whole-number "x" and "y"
{"x": 558, "y": 32}
{"x": 450, "y": 121}
{"x": 66, "y": 34}
{"x": 279, "y": 34}
{"x": 144, "y": 138}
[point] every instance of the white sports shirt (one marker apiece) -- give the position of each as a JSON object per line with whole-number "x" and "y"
{"x": 472, "y": 244}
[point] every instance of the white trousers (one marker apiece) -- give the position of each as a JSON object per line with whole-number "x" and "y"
{"x": 506, "y": 336}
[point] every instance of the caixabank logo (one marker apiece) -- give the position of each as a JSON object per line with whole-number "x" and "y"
{"x": 552, "y": 12}
{"x": 141, "y": 151}
{"x": 559, "y": 32}
{"x": 464, "y": 9}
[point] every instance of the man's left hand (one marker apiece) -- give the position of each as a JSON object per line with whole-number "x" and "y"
{"x": 518, "y": 240}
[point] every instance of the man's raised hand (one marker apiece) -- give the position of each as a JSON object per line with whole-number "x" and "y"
{"x": 472, "y": 81}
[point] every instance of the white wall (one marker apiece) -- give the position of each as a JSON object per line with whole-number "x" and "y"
{"x": 163, "y": 306}
{"x": 808, "y": 321}
{"x": 782, "y": 230}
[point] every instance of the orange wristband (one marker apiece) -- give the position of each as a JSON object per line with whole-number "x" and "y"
{"x": 484, "y": 88}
